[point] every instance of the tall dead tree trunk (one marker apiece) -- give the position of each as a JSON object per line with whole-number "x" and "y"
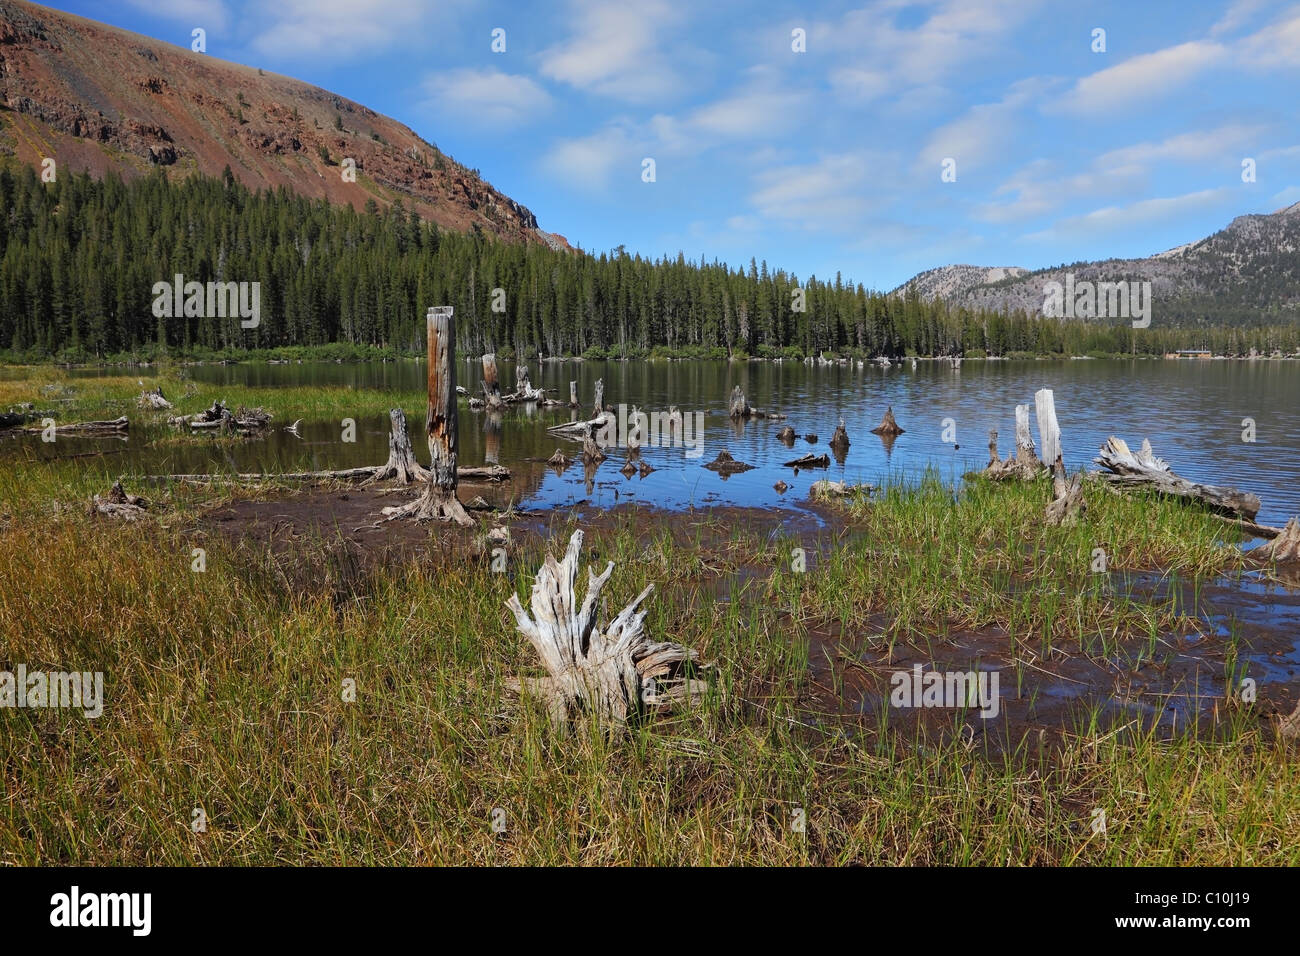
{"x": 1048, "y": 430}
{"x": 599, "y": 400}
{"x": 610, "y": 673}
{"x": 439, "y": 500}
{"x": 573, "y": 394}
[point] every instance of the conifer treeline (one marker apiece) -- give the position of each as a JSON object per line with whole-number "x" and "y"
{"x": 79, "y": 259}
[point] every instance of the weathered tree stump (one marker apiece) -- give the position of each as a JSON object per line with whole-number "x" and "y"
{"x": 491, "y": 386}
{"x": 1025, "y": 464}
{"x": 840, "y": 440}
{"x": 573, "y": 394}
{"x": 739, "y": 407}
{"x": 809, "y": 461}
{"x": 1145, "y": 470}
{"x": 118, "y": 504}
{"x": 888, "y": 426}
{"x": 725, "y": 465}
{"x": 439, "y": 499}
{"x": 786, "y": 435}
{"x": 591, "y": 452}
{"x": 1067, "y": 502}
{"x": 401, "y": 465}
{"x": 610, "y": 674}
{"x": 1048, "y": 430}
{"x": 153, "y": 398}
{"x": 598, "y": 400}
{"x": 1285, "y": 547}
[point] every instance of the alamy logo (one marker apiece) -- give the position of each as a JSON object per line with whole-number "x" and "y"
{"x": 654, "y": 430}
{"x": 951, "y": 689}
{"x": 1098, "y": 300}
{"x": 75, "y": 908}
{"x": 57, "y": 689}
{"x": 216, "y": 300}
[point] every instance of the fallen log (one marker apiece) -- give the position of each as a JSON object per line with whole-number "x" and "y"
{"x": 581, "y": 430}
{"x": 809, "y": 461}
{"x": 610, "y": 674}
{"x": 114, "y": 427}
{"x": 1145, "y": 470}
{"x": 489, "y": 474}
{"x": 888, "y": 426}
{"x": 841, "y": 489}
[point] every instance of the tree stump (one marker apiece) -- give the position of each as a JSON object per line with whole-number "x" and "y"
{"x": 1048, "y": 430}
{"x": 491, "y": 386}
{"x": 118, "y": 504}
{"x": 573, "y": 394}
{"x": 401, "y": 465}
{"x": 439, "y": 500}
{"x": 598, "y": 403}
{"x": 840, "y": 440}
{"x": 591, "y": 452}
{"x": 153, "y": 398}
{"x": 739, "y": 407}
{"x": 610, "y": 673}
{"x": 888, "y": 426}
{"x": 1285, "y": 547}
{"x": 1067, "y": 497}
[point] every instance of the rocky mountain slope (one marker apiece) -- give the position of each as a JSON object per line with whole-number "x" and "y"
{"x": 1248, "y": 272}
{"x": 95, "y": 98}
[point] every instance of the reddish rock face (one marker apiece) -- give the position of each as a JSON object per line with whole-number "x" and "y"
{"x": 96, "y": 98}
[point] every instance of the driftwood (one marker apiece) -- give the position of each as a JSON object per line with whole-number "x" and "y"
{"x": 831, "y": 489}
{"x": 114, "y": 427}
{"x": 809, "y": 461}
{"x": 724, "y": 464}
{"x": 153, "y": 398}
{"x": 1144, "y": 470}
{"x": 490, "y": 474}
{"x": 220, "y": 417}
{"x": 887, "y": 426}
{"x": 580, "y": 430}
{"x": 1284, "y": 547}
{"x": 439, "y": 501}
{"x": 118, "y": 504}
{"x": 610, "y": 674}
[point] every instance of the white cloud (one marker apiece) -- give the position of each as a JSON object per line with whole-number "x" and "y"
{"x": 211, "y": 15}
{"x": 1197, "y": 146}
{"x": 1143, "y": 214}
{"x": 486, "y": 97}
{"x": 981, "y": 134}
{"x": 589, "y": 163}
{"x": 1142, "y": 78}
{"x": 339, "y": 29}
{"x": 828, "y": 193}
{"x": 614, "y": 51}
{"x": 1277, "y": 46}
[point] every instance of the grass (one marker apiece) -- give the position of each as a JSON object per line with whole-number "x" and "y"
{"x": 224, "y": 692}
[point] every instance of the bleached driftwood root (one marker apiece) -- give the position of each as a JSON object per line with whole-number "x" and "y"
{"x": 611, "y": 673}
{"x": 153, "y": 398}
{"x": 401, "y": 465}
{"x": 1144, "y": 470}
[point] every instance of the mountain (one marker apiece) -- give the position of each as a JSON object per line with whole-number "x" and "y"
{"x": 98, "y": 99}
{"x": 1247, "y": 273}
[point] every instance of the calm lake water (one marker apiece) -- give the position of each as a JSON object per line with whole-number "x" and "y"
{"x": 1192, "y": 411}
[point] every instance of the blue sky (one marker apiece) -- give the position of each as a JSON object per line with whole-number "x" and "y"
{"x": 825, "y": 160}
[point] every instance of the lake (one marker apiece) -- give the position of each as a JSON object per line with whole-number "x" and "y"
{"x": 1192, "y": 411}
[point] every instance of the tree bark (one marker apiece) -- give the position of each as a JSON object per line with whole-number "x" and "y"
{"x": 401, "y": 465}
{"x": 491, "y": 387}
